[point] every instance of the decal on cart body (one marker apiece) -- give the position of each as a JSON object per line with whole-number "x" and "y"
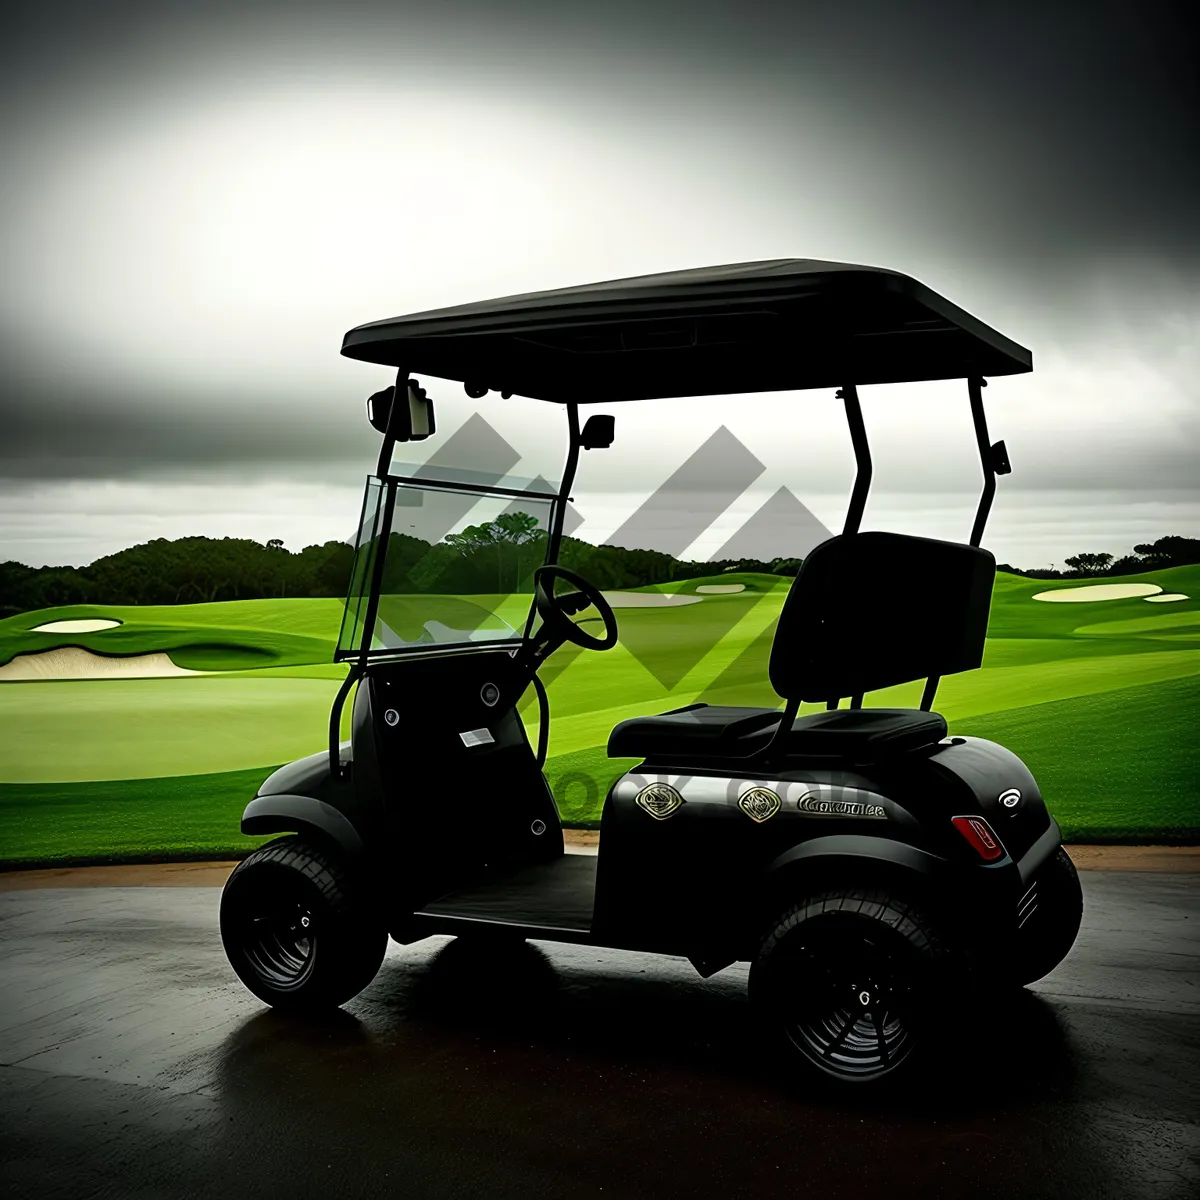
{"x": 660, "y": 800}
{"x": 1010, "y": 798}
{"x": 759, "y": 803}
{"x": 477, "y": 737}
{"x": 794, "y": 797}
{"x": 813, "y": 805}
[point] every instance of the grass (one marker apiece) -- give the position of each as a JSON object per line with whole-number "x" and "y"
{"x": 1145, "y": 786}
{"x": 1099, "y": 698}
{"x": 229, "y": 636}
{"x": 1116, "y": 766}
{"x": 61, "y": 731}
{"x": 173, "y": 818}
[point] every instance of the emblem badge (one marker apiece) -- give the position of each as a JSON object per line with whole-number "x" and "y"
{"x": 1010, "y": 798}
{"x": 660, "y": 800}
{"x": 392, "y": 717}
{"x": 759, "y": 804}
{"x": 814, "y": 806}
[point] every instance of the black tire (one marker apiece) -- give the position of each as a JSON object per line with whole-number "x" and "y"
{"x": 1050, "y": 913}
{"x": 851, "y": 982}
{"x": 295, "y": 930}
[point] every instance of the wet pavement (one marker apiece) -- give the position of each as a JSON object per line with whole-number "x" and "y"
{"x": 133, "y": 1064}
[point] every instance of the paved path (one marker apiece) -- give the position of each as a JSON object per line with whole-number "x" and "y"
{"x": 132, "y": 1063}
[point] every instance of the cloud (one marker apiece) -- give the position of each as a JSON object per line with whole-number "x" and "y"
{"x": 203, "y": 198}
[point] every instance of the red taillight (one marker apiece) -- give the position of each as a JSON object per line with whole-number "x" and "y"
{"x": 979, "y": 833}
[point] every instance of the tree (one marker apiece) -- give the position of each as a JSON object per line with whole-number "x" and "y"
{"x": 517, "y": 527}
{"x": 1171, "y": 552}
{"x": 1089, "y": 564}
{"x": 1128, "y": 564}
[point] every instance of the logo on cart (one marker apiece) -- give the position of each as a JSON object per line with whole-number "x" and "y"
{"x": 392, "y": 717}
{"x": 759, "y": 804}
{"x": 660, "y": 800}
{"x": 814, "y": 806}
{"x": 1011, "y": 798}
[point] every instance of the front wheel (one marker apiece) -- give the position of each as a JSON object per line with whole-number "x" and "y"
{"x": 294, "y": 929}
{"x": 849, "y": 982}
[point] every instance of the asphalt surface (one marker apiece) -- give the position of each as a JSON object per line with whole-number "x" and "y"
{"x": 133, "y": 1064}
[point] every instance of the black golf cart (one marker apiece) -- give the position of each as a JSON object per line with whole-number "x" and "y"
{"x": 872, "y": 869}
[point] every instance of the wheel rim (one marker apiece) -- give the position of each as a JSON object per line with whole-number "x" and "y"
{"x": 850, "y": 1007}
{"x": 278, "y": 936}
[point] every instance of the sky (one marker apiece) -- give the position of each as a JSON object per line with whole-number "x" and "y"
{"x": 201, "y": 199}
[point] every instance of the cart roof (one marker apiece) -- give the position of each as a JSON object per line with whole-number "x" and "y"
{"x": 778, "y": 325}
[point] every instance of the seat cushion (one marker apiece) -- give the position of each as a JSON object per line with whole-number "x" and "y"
{"x": 865, "y": 734}
{"x": 704, "y": 729}
{"x": 859, "y": 735}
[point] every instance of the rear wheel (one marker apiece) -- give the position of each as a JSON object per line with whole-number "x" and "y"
{"x": 294, "y": 929}
{"x": 1050, "y": 914}
{"x": 850, "y": 982}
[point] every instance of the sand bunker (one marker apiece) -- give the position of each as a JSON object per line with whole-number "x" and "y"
{"x": 1165, "y": 598}
{"x": 70, "y": 662}
{"x": 85, "y": 625}
{"x": 721, "y": 587}
{"x": 1100, "y": 591}
{"x": 649, "y": 599}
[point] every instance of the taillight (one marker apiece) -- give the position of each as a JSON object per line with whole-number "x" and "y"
{"x": 979, "y": 833}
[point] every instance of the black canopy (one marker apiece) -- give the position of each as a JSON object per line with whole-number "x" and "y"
{"x": 779, "y": 325}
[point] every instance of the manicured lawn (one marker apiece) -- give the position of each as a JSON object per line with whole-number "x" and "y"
{"x": 1122, "y": 765}
{"x": 104, "y": 729}
{"x": 1100, "y": 698}
{"x": 235, "y": 635}
{"x": 179, "y": 817}
{"x": 1133, "y": 791}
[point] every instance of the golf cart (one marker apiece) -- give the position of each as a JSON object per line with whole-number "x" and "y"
{"x": 872, "y": 869}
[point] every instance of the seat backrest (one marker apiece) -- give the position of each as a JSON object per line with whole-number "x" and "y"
{"x": 869, "y": 610}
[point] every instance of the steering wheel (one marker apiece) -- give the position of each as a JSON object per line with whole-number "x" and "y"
{"x": 556, "y": 611}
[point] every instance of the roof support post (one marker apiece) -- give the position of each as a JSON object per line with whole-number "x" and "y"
{"x": 994, "y": 458}
{"x": 568, "y": 480}
{"x": 399, "y": 395}
{"x": 335, "y": 720}
{"x": 862, "y": 458}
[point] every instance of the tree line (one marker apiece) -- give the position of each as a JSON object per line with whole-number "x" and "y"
{"x": 498, "y": 556}
{"x": 1149, "y": 556}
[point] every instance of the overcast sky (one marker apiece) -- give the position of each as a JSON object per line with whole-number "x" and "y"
{"x": 201, "y": 199}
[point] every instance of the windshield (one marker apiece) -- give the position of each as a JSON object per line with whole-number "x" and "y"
{"x": 457, "y": 566}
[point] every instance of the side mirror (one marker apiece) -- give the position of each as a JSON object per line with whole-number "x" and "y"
{"x": 413, "y": 422}
{"x": 598, "y": 432}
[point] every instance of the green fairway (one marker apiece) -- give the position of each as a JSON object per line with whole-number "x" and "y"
{"x": 189, "y": 816}
{"x": 235, "y": 635}
{"x": 1122, "y": 765}
{"x": 1084, "y": 691}
{"x": 1102, "y": 776}
{"x": 103, "y": 729}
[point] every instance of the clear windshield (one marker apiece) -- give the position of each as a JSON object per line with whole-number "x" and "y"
{"x": 457, "y": 567}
